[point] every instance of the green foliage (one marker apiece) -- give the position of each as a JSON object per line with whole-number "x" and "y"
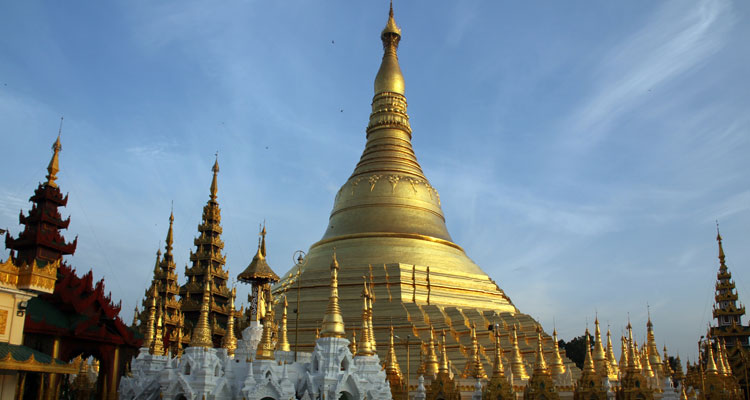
{"x": 575, "y": 349}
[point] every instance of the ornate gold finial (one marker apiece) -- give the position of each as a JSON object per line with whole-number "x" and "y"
{"x": 365, "y": 347}
{"x": 54, "y": 164}
{"x": 432, "y": 366}
{"x": 229, "y": 341}
{"x": 613, "y": 369}
{"x": 201, "y": 336}
{"x": 721, "y": 248}
{"x": 497, "y": 367}
{"x": 389, "y": 78}
{"x": 710, "y": 363}
{"x": 370, "y": 312}
{"x": 516, "y": 363}
{"x": 266, "y": 346}
{"x": 170, "y": 234}
{"x": 599, "y": 356}
{"x": 540, "y": 365}
{"x": 333, "y": 322}
{"x": 353, "y": 342}
{"x": 214, "y": 181}
{"x": 263, "y": 239}
{"x": 150, "y": 324}
{"x": 392, "y": 369}
{"x": 557, "y": 365}
{"x": 588, "y": 363}
{"x": 444, "y": 369}
{"x": 157, "y": 345}
{"x": 283, "y": 344}
{"x": 474, "y": 367}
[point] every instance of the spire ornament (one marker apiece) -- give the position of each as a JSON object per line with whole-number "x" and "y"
{"x": 54, "y": 164}
{"x": 333, "y": 322}
{"x": 283, "y": 344}
{"x": 365, "y": 347}
{"x": 557, "y": 367}
{"x": 229, "y": 341}
{"x": 201, "y": 336}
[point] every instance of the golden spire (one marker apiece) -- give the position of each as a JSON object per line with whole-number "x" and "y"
{"x": 474, "y": 367}
{"x": 645, "y": 359}
{"x": 263, "y": 240}
{"x": 613, "y": 370}
{"x": 365, "y": 348}
{"x": 54, "y": 164}
{"x": 229, "y": 341}
{"x": 333, "y": 322}
{"x": 710, "y": 364}
{"x": 557, "y": 365}
{"x": 599, "y": 356}
{"x": 666, "y": 368}
{"x": 214, "y": 182}
{"x": 720, "y": 364}
{"x": 201, "y": 336}
{"x": 150, "y": 324}
{"x": 432, "y": 365}
{"x": 180, "y": 326}
{"x": 497, "y": 367}
{"x": 633, "y": 364}
{"x": 157, "y": 345}
{"x": 727, "y": 365}
{"x": 392, "y": 369}
{"x": 283, "y": 344}
{"x": 370, "y": 308}
{"x": 721, "y": 248}
{"x": 266, "y": 346}
{"x": 170, "y": 236}
{"x": 353, "y": 342}
{"x": 389, "y": 78}
{"x": 517, "y": 366}
{"x": 158, "y": 261}
{"x": 443, "y": 356}
{"x": 653, "y": 352}
{"x": 623, "y": 354}
{"x": 540, "y": 366}
{"x": 588, "y": 363}
{"x": 135, "y": 317}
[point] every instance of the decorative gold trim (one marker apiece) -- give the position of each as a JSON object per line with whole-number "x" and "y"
{"x": 32, "y": 365}
{"x": 388, "y": 235}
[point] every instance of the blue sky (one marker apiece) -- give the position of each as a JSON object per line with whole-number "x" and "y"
{"x": 582, "y": 150}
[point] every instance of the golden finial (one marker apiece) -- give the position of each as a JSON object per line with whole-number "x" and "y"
{"x": 633, "y": 364}
{"x": 389, "y": 78}
{"x": 722, "y": 262}
{"x": 229, "y": 341}
{"x": 201, "y": 336}
{"x": 353, "y": 342}
{"x": 613, "y": 369}
{"x": 150, "y": 324}
{"x": 283, "y": 344}
{"x": 588, "y": 363}
{"x": 540, "y": 366}
{"x": 214, "y": 181}
{"x": 170, "y": 234}
{"x": 444, "y": 369}
{"x": 623, "y": 354}
{"x": 54, "y": 164}
{"x": 599, "y": 356}
{"x": 365, "y": 347}
{"x": 557, "y": 365}
{"x": 516, "y": 363}
{"x": 474, "y": 367}
{"x": 497, "y": 367}
{"x": 263, "y": 239}
{"x": 392, "y": 369}
{"x": 266, "y": 346}
{"x": 333, "y": 322}
{"x": 157, "y": 345}
{"x": 135, "y": 317}
{"x": 432, "y": 365}
{"x": 710, "y": 363}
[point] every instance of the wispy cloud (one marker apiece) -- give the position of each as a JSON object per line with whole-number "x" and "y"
{"x": 675, "y": 40}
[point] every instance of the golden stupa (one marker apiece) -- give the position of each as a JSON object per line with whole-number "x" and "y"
{"x": 387, "y": 225}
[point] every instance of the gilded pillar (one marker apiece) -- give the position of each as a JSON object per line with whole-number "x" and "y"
{"x": 50, "y": 389}
{"x": 114, "y": 375}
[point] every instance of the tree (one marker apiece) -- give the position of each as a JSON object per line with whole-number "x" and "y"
{"x": 575, "y": 349}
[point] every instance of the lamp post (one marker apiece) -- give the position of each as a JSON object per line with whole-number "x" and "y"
{"x": 299, "y": 255}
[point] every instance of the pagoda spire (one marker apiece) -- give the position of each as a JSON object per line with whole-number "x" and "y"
{"x": 263, "y": 240}
{"x": 588, "y": 363}
{"x": 517, "y": 366}
{"x": 432, "y": 365}
{"x": 599, "y": 355}
{"x": 157, "y": 345}
{"x": 540, "y": 366}
{"x": 654, "y": 359}
{"x": 170, "y": 237}
{"x": 710, "y": 363}
{"x": 497, "y": 368}
{"x": 353, "y": 343}
{"x": 443, "y": 369}
{"x": 283, "y": 344}
{"x": 557, "y": 365}
{"x": 214, "y": 182}
{"x": 611, "y": 360}
{"x": 633, "y": 365}
{"x": 229, "y": 341}
{"x": 201, "y": 336}
{"x": 54, "y": 164}
{"x": 333, "y": 322}
{"x": 365, "y": 347}
{"x": 474, "y": 367}
{"x": 392, "y": 370}
{"x": 266, "y": 346}
{"x": 370, "y": 312}
{"x": 150, "y": 323}
{"x": 623, "y": 355}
